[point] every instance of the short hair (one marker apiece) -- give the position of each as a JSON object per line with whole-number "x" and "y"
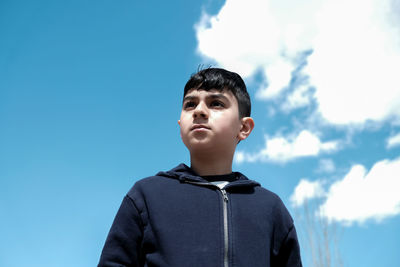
{"x": 221, "y": 79}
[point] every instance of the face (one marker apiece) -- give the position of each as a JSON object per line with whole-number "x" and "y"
{"x": 210, "y": 121}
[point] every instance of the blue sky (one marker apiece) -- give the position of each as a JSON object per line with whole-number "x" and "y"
{"x": 90, "y": 95}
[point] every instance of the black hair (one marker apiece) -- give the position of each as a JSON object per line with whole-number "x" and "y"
{"x": 221, "y": 79}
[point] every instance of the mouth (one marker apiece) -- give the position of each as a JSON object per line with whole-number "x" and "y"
{"x": 199, "y": 127}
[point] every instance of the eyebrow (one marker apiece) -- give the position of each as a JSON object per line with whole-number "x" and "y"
{"x": 187, "y": 98}
{"x": 212, "y": 96}
{"x": 218, "y": 95}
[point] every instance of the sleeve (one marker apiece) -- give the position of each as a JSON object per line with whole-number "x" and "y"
{"x": 289, "y": 252}
{"x": 123, "y": 244}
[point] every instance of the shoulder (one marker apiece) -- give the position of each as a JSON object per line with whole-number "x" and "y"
{"x": 148, "y": 183}
{"x": 152, "y": 187}
{"x": 278, "y": 210}
{"x": 269, "y": 203}
{"x": 268, "y": 194}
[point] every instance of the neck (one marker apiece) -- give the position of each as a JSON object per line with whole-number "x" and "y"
{"x": 206, "y": 165}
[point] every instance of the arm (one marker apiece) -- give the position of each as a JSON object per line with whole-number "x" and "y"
{"x": 123, "y": 245}
{"x": 289, "y": 252}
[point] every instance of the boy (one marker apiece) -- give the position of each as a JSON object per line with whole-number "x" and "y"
{"x": 204, "y": 215}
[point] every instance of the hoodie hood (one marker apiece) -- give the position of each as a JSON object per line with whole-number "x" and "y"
{"x": 183, "y": 173}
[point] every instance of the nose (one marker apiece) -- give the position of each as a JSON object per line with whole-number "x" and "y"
{"x": 200, "y": 111}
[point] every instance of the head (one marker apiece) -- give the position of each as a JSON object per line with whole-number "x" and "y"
{"x": 215, "y": 113}
{"x": 221, "y": 79}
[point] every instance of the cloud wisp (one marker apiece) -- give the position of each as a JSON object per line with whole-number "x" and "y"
{"x": 393, "y": 141}
{"x": 283, "y": 149}
{"x": 326, "y": 166}
{"x": 307, "y": 190}
{"x": 360, "y": 196}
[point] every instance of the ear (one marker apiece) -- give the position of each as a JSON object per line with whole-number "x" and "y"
{"x": 246, "y": 128}
{"x": 180, "y": 128}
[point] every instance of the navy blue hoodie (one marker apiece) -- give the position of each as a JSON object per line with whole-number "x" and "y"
{"x": 178, "y": 219}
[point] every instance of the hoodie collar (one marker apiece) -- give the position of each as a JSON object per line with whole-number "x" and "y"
{"x": 184, "y": 173}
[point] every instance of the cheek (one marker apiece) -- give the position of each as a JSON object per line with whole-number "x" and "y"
{"x": 183, "y": 135}
{"x": 226, "y": 125}
{"x": 183, "y": 127}
{"x": 182, "y": 121}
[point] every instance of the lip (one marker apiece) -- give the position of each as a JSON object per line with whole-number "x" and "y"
{"x": 199, "y": 127}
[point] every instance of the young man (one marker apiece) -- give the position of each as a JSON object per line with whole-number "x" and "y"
{"x": 204, "y": 215}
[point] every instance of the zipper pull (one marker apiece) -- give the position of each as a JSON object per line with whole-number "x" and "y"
{"x": 225, "y": 195}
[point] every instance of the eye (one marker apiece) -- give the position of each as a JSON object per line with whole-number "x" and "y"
{"x": 189, "y": 104}
{"x": 217, "y": 104}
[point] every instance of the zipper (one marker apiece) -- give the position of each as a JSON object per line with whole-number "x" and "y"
{"x": 226, "y": 233}
{"x": 225, "y": 216}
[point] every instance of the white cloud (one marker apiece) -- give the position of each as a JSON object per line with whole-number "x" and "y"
{"x": 300, "y": 97}
{"x": 354, "y": 64}
{"x": 393, "y": 141}
{"x": 283, "y": 149}
{"x": 246, "y": 36}
{"x": 326, "y": 165}
{"x": 278, "y": 76}
{"x": 227, "y": 37}
{"x": 306, "y": 190}
{"x": 363, "y": 195}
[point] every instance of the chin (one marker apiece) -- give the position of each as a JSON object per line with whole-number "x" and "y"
{"x": 200, "y": 146}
